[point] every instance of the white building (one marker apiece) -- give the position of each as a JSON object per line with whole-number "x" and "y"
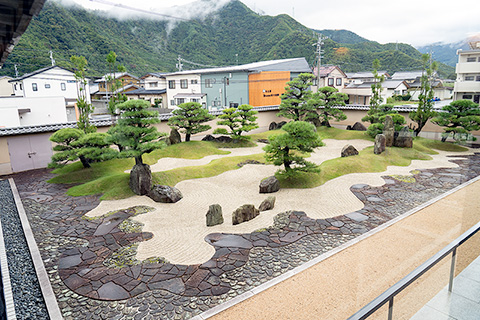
{"x": 6, "y": 88}
{"x": 467, "y": 85}
{"x": 184, "y": 87}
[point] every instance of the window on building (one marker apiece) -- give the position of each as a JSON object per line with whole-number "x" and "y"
{"x": 472, "y": 59}
{"x": 172, "y": 102}
{"x": 467, "y": 96}
{"x": 208, "y": 83}
{"x": 195, "y": 100}
{"x": 15, "y": 87}
{"x": 478, "y": 78}
{"x": 34, "y": 87}
{"x": 180, "y": 101}
{"x": 184, "y": 83}
{"x": 21, "y": 86}
{"x": 153, "y": 84}
{"x": 171, "y": 84}
{"x": 194, "y": 81}
{"x": 469, "y": 78}
{"x": 47, "y": 85}
{"x": 63, "y": 86}
{"x": 339, "y": 81}
{"x": 330, "y": 81}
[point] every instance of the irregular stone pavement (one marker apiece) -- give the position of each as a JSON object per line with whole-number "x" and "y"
{"x": 94, "y": 273}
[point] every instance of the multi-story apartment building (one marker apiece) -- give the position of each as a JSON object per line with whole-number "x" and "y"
{"x": 467, "y": 85}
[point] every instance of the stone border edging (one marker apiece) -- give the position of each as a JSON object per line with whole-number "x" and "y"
{"x": 42, "y": 276}
{"x": 7, "y": 285}
{"x": 250, "y": 293}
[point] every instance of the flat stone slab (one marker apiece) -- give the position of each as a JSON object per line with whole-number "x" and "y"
{"x": 357, "y": 216}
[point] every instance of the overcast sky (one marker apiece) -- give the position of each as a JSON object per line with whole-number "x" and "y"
{"x": 417, "y": 22}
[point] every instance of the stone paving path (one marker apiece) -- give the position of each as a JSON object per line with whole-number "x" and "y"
{"x": 94, "y": 275}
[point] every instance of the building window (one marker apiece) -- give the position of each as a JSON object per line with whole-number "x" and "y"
{"x": 34, "y": 87}
{"x": 469, "y": 78}
{"x": 478, "y": 78}
{"x": 153, "y": 84}
{"x": 15, "y": 87}
{"x": 467, "y": 96}
{"x": 63, "y": 86}
{"x": 195, "y": 100}
{"x": 171, "y": 84}
{"x": 184, "y": 83}
{"x": 330, "y": 81}
{"x": 21, "y": 86}
{"x": 208, "y": 83}
{"x": 180, "y": 101}
{"x": 172, "y": 102}
{"x": 472, "y": 59}
{"x": 47, "y": 85}
{"x": 339, "y": 81}
{"x": 194, "y": 81}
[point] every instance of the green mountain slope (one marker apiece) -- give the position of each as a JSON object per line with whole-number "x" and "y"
{"x": 146, "y": 45}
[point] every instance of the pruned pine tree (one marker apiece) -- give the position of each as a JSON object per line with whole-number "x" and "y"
{"x": 190, "y": 118}
{"x": 425, "y": 110}
{"x": 239, "y": 120}
{"x": 330, "y": 99}
{"x": 459, "y": 118}
{"x": 300, "y": 136}
{"x": 65, "y": 148}
{"x": 294, "y": 100}
{"x": 95, "y": 147}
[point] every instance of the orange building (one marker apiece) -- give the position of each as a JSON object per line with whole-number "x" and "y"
{"x": 266, "y": 87}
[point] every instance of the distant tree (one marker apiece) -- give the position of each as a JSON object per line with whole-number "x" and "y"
{"x": 190, "y": 117}
{"x": 425, "y": 110}
{"x": 376, "y": 99}
{"x": 294, "y": 101}
{"x": 330, "y": 99}
{"x": 84, "y": 108}
{"x": 135, "y": 132}
{"x": 241, "y": 119}
{"x": 459, "y": 118}
{"x": 65, "y": 147}
{"x": 300, "y": 136}
{"x": 114, "y": 84}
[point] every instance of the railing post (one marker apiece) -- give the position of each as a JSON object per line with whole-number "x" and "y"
{"x": 452, "y": 270}
{"x": 390, "y": 309}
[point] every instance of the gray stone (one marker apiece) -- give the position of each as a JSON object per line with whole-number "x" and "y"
{"x": 349, "y": 150}
{"x": 140, "y": 179}
{"x": 269, "y": 185}
{"x": 404, "y": 139}
{"x": 208, "y": 137}
{"x": 349, "y": 127}
{"x": 267, "y": 204}
{"x": 272, "y": 126}
{"x": 379, "y": 145}
{"x": 358, "y": 126}
{"x": 244, "y": 213}
{"x": 174, "y": 137}
{"x": 165, "y": 194}
{"x": 214, "y": 215}
{"x": 388, "y": 131}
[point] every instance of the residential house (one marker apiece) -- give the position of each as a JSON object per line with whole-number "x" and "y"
{"x": 467, "y": 85}
{"x": 153, "y": 89}
{"x": 6, "y": 89}
{"x": 50, "y": 82}
{"x": 330, "y": 76}
{"x": 361, "y": 77}
{"x": 413, "y": 79}
{"x": 257, "y": 84}
{"x": 361, "y": 93}
{"x": 128, "y": 83}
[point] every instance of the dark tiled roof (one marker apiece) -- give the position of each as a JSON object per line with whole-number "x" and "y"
{"x": 145, "y": 91}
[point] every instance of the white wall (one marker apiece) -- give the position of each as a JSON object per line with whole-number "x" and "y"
{"x": 6, "y": 88}
{"x": 161, "y": 83}
{"x": 46, "y": 110}
{"x": 192, "y": 88}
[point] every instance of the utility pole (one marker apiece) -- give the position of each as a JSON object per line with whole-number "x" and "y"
{"x": 16, "y": 71}
{"x": 179, "y": 65}
{"x": 319, "y": 53}
{"x": 51, "y": 58}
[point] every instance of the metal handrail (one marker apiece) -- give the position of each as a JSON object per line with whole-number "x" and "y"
{"x": 390, "y": 293}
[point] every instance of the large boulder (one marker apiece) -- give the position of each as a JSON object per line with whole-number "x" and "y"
{"x": 379, "y": 145}
{"x": 358, "y": 126}
{"x": 244, "y": 213}
{"x": 349, "y": 150}
{"x": 272, "y": 126}
{"x": 349, "y": 127}
{"x": 165, "y": 194}
{"x": 208, "y": 137}
{"x": 140, "y": 179}
{"x": 224, "y": 139}
{"x": 214, "y": 215}
{"x": 174, "y": 137}
{"x": 404, "y": 139}
{"x": 269, "y": 185}
{"x": 267, "y": 204}
{"x": 388, "y": 131}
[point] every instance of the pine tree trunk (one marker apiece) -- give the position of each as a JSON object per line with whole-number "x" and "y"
{"x": 187, "y": 137}
{"x": 85, "y": 162}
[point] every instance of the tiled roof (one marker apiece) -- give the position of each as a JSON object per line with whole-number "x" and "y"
{"x": 145, "y": 91}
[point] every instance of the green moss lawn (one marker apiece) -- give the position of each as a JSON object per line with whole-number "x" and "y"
{"x": 108, "y": 178}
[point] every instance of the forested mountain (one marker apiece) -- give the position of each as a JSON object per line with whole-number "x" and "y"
{"x": 147, "y": 45}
